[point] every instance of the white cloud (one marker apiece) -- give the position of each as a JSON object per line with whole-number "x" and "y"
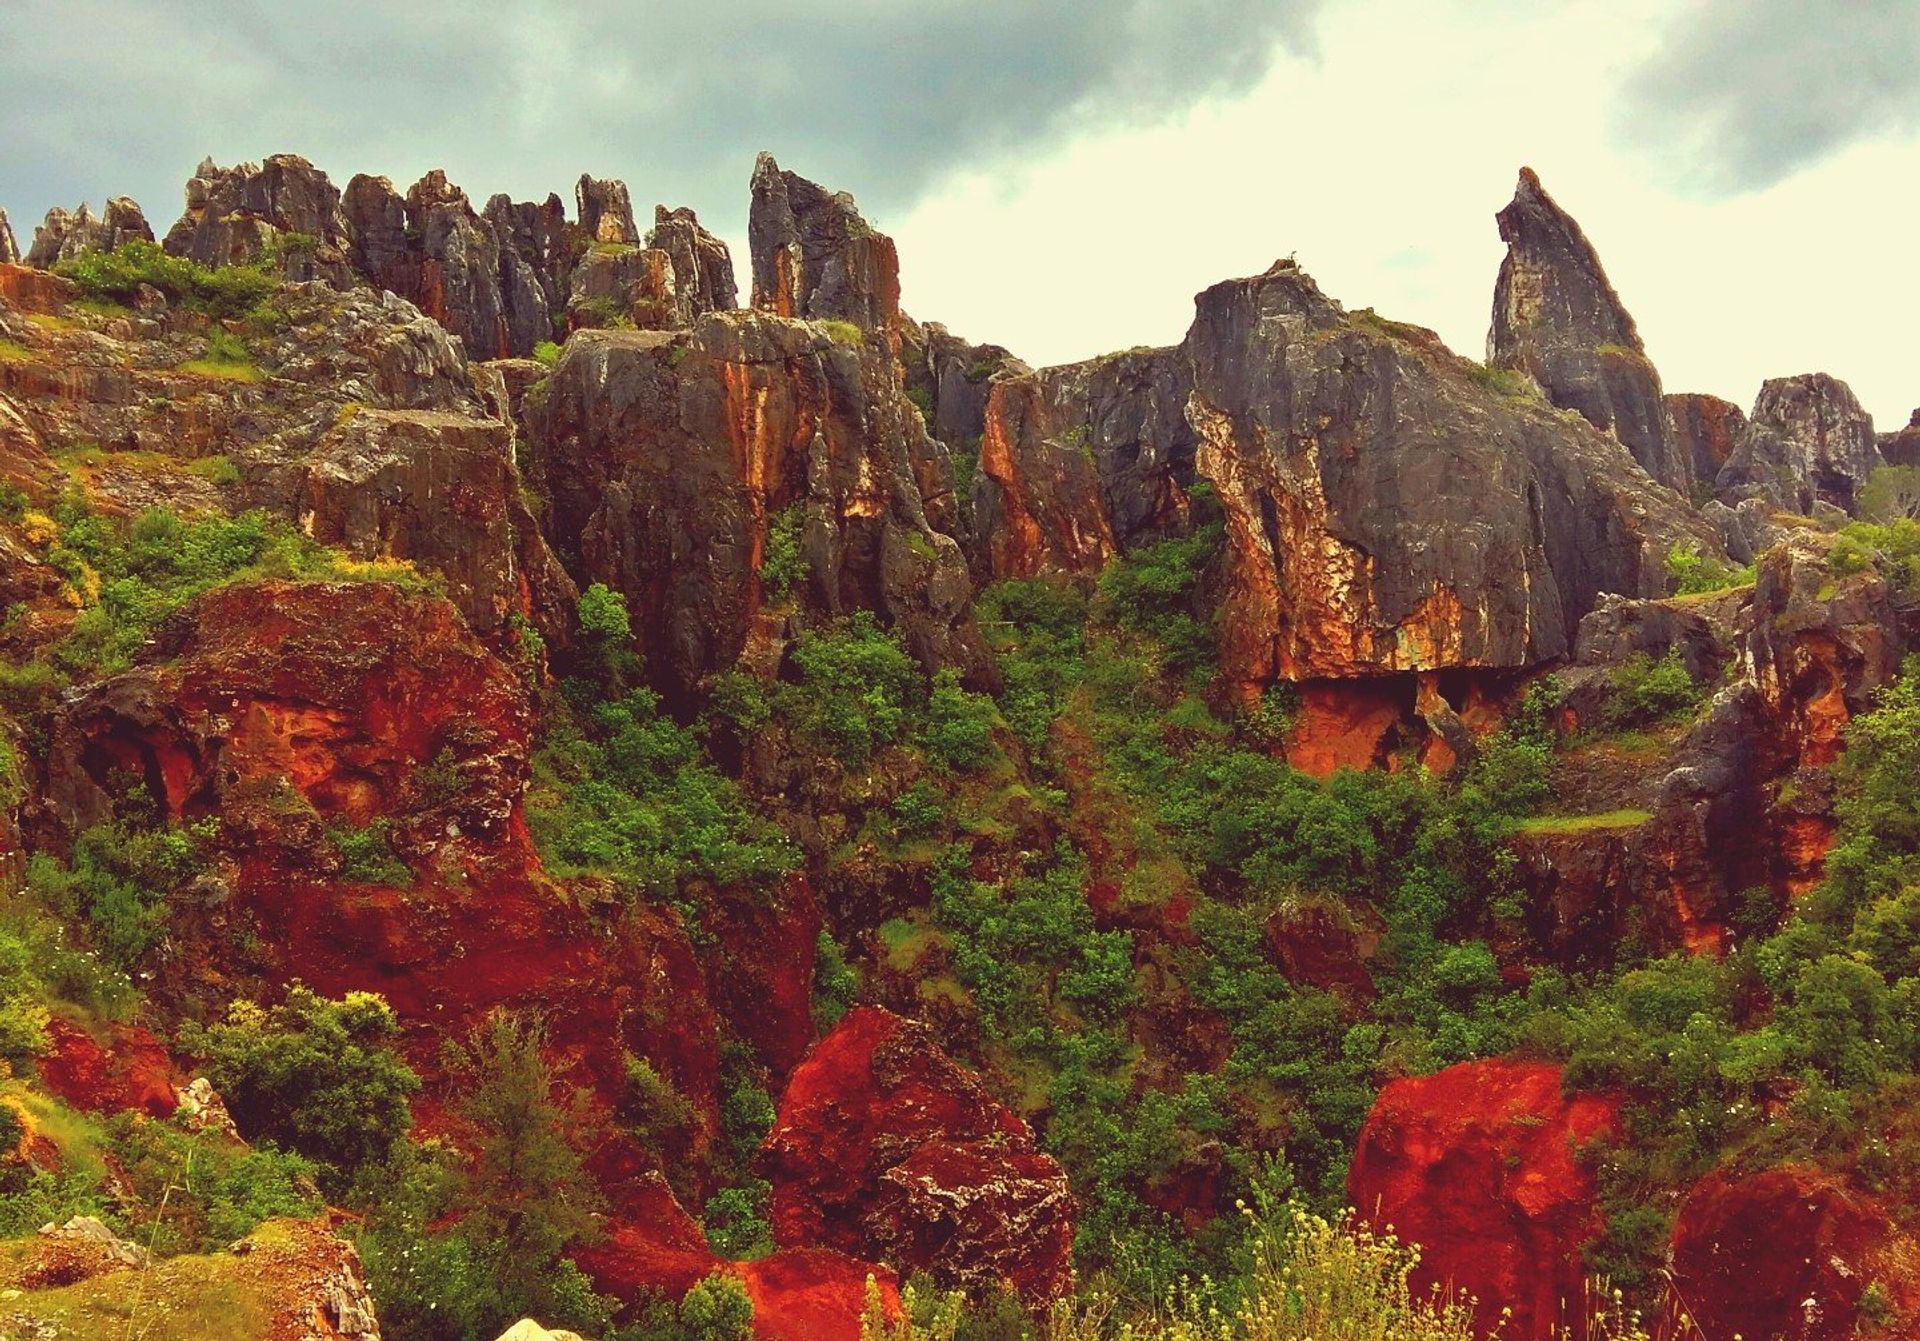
{"x": 1381, "y": 164}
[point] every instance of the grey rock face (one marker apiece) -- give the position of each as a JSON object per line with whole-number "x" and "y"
{"x": 814, "y": 256}
{"x": 669, "y": 455}
{"x": 606, "y": 214}
{"x": 1388, "y": 510}
{"x": 64, "y": 236}
{"x": 233, "y": 215}
{"x": 1708, "y": 429}
{"x": 1808, "y": 442}
{"x": 9, "y": 249}
{"x": 1557, "y": 319}
{"x": 702, "y": 266}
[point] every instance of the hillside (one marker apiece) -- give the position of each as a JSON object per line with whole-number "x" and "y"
{"x": 533, "y": 789}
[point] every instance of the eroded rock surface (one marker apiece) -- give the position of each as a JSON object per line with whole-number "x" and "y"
{"x": 814, "y": 256}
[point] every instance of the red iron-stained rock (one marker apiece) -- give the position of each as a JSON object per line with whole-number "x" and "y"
{"x": 1477, "y": 1165}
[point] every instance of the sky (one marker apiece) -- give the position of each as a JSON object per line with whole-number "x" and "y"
{"x": 1063, "y": 176}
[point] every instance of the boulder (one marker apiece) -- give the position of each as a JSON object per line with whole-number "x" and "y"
{"x": 1389, "y": 508}
{"x": 528, "y": 1330}
{"x": 885, "y": 1148}
{"x": 79, "y": 1250}
{"x": 235, "y": 214}
{"x": 1808, "y": 441}
{"x": 128, "y": 1071}
{"x": 1478, "y": 1165}
{"x": 1557, "y": 319}
{"x": 64, "y": 236}
{"x": 1790, "y": 1253}
{"x": 668, "y": 457}
{"x": 814, "y": 256}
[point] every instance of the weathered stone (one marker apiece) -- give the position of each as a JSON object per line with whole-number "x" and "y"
{"x": 702, "y": 266}
{"x": 668, "y": 457}
{"x": 9, "y": 249}
{"x": 542, "y": 237}
{"x": 815, "y": 257}
{"x": 1791, "y": 1252}
{"x": 1079, "y": 462}
{"x": 606, "y": 214}
{"x": 64, "y": 236}
{"x": 234, "y": 214}
{"x": 955, "y": 376}
{"x": 440, "y": 491}
{"x": 434, "y": 251}
{"x": 1388, "y": 510}
{"x": 884, "y": 1147}
{"x": 1557, "y": 319}
{"x": 1896, "y": 449}
{"x": 1478, "y": 1164}
{"x": 1808, "y": 441}
{"x": 1707, "y": 430}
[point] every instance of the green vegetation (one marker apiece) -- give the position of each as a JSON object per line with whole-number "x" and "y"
{"x": 1578, "y": 824}
{"x": 1695, "y": 574}
{"x": 227, "y": 358}
{"x": 1647, "y": 691}
{"x": 842, "y": 333}
{"x": 547, "y": 352}
{"x": 1891, "y": 494}
{"x": 316, "y": 1076}
{"x": 116, "y": 276}
{"x": 1508, "y": 382}
{"x": 783, "y": 568}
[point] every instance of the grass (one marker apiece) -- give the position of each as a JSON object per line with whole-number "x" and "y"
{"x": 1577, "y": 824}
{"x": 843, "y": 333}
{"x": 13, "y": 352}
{"x": 222, "y": 370}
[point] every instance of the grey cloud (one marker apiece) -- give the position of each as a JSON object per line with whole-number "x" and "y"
{"x": 881, "y": 97}
{"x": 1744, "y": 93}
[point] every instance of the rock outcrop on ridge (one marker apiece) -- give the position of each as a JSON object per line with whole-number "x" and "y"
{"x": 1557, "y": 319}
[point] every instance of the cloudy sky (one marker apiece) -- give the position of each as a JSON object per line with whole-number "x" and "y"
{"x": 1063, "y": 175}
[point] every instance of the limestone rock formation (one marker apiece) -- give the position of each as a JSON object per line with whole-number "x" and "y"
{"x": 541, "y": 235}
{"x": 815, "y": 257}
{"x": 1557, "y": 319}
{"x": 1080, "y": 462}
{"x": 1386, "y": 510}
{"x": 64, "y": 236}
{"x": 668, "y": 457}
{"x": 1807, "y": 442}
{"x": 702, "y": 266}
{"x": 1477, "y": 1164}
{"x": 1901, "y": 448}
{"x": 1791, "y": 1252}
{"x": 433, "y": 250}
{"x": 955, "y": 377}
{"x": 884, "y": 1147}
{"x": 1707, "y": 430}
{"x": 606, "y": 214}
{"x": 234, "y": 214}
{"x": 9, "y": 249}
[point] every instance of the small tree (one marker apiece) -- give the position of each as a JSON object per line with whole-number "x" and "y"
{"x": 1891, "y": 493}
{"x": 318, "y": 1076}
{"x": 527, "y": 1197}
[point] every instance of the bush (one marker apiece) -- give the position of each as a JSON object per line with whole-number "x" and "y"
{"x": 116, "y": 276}
{"x": 782, "y": 566}
{"x": 317, "y": 1076}
{"x": 547, "y": 352}
{"x": 118, "y": 879}
{"x": 1155, "y": 591}
{"x": 856, "y": 687}
{"x": 1694, "y": 573}
{"x": 958, "y": 730}
{"x": 1653, "y": 691}
{"x": 367, "y": 855}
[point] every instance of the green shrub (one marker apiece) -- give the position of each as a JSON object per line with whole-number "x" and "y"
{"x": 1694, "y": 573}
{"x": 118, "y": 879}
{"x": 1155, "y": 591}
{"x": 317, "y": 1076}
{"x": 547, "y": 352}
{"x": 855, "y": 691}
{"x": 1653, "y": 691}
{"x": 367, "y": 855}
{"x": 782, "y": 566}
{"x": 958, "y": 730}
{"x": 117, "y": 275}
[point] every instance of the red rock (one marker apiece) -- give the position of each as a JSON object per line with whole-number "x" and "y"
{"x": 1476, "y": 1164}
{"x": 130, "y": 1072}
{"x": 813, "y": 1294}
{"x": 33, "y": 290}
{"x": 1788, "y": 1253}
{"x": 653, "y": 1246}
{"x": 886, "y": 1148}
{"x": 1346, "y": 724}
